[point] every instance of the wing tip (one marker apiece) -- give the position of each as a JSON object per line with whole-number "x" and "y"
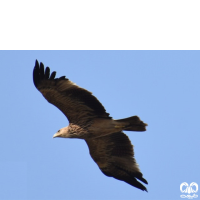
{"x": 131, "y": 180}
{"x": 35, "y": 73}
{"x": 139, "y": 176}
{"x": 145, "y": 190}
{"x": 41, "y": 73}
{"x": 138, "y": 185}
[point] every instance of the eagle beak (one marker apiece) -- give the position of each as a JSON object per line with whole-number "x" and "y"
{"x": 56, "y": 135}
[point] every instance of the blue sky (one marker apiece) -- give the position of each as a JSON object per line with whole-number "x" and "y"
{"x": 161, "y": 87}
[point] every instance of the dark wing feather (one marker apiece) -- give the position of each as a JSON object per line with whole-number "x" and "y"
{"x": 75, "y": 102}
{"x": 115, "y": 157}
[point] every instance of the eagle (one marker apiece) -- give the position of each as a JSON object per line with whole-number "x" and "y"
{"x": 109, "y": 146}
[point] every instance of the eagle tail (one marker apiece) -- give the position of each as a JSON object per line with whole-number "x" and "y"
{"x": 132, "y": 124}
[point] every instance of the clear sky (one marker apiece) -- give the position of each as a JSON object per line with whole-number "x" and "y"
{"x": 161, "y": 87}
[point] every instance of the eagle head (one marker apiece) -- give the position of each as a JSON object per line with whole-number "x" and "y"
{"x": 65, "y": 132}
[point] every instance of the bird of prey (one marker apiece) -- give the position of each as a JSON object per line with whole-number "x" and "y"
{"x": 109, "y": 147}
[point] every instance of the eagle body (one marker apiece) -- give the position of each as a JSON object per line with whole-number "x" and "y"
{"x": 109, "y": 147}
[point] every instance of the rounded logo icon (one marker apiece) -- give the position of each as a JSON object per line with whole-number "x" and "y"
{"x": 186, "y": 188}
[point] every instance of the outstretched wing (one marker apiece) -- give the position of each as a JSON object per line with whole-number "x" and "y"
{"x": 76, "y": 103}
{"x": 114, "y": 156}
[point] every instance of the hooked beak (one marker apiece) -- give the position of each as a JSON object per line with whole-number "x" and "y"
{"x": 56, "y": 135}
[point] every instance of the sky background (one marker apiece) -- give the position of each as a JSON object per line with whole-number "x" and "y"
{"x": 161, "y": 87}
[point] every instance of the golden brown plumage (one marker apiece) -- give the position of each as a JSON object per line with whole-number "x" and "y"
{"x": 109, "y": 147}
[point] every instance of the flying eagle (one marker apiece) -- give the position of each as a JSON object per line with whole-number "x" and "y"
{"x": 109, "y": 147}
